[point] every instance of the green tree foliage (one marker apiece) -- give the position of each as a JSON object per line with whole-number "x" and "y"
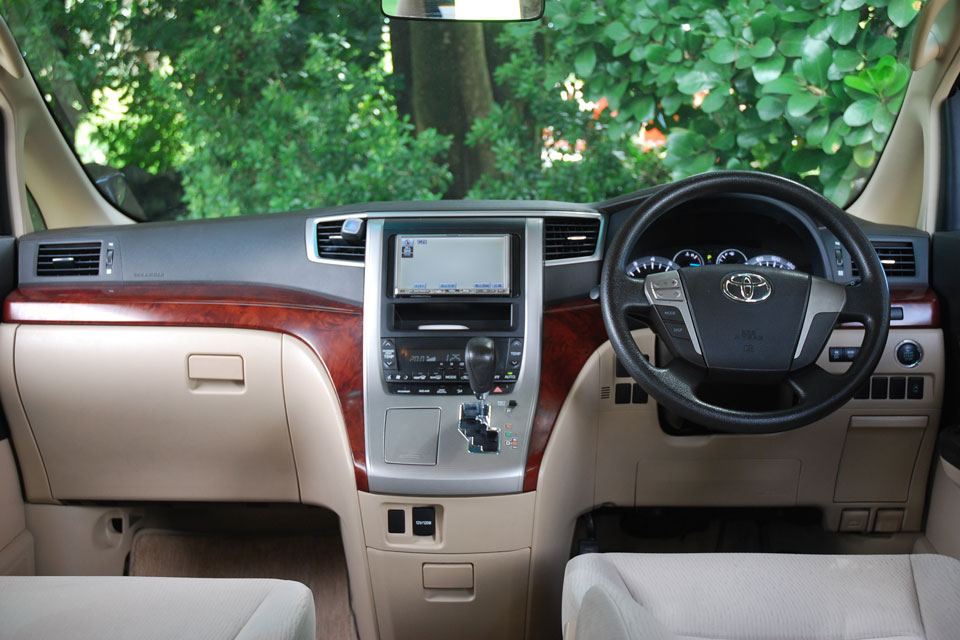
{"x": 804, "y": 88}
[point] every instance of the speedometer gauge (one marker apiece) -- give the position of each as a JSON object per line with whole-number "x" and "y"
{"x": 688, "y": 258}
{"x": 731, "y": 256}
{"x": 650, "y": 264}
{"x": 775, "y": 262}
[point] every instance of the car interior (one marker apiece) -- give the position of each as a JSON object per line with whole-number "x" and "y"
{"x": 711, "y": 407}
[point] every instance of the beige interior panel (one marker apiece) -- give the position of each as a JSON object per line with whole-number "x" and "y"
{"x": 325, "y": 465}
{"x": 878, "y": 457}
{"x": 116, "y": 416}
{"x": 80, "y": 540}
{"x": 16, "y": 543}
{"x": 493, "y": 607}
{"x": 943, "y": 522}
{"x": 36, "y": 486}
{"x": 477, "y": 524}
{"x": 732, "y": 482}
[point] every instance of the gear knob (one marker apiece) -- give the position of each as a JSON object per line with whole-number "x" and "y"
{"x": 480, "y": 359}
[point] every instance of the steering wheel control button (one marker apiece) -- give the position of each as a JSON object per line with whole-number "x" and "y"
{"x": 909, "y": 353}
{"x": 677, "y": 330}
{"x": 878, "y": 388}
{"x": 674, "y": 295}
{"x": 669, "y": 314}
{"x": 669, "y": 282}
{"x": 915, "y": 388}
{"x": 424, "y": 521}
{"x": 898, "y": 388}
{"x": 395, "y": 521}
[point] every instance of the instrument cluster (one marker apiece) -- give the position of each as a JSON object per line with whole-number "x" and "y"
{"x": 645, "y": 265}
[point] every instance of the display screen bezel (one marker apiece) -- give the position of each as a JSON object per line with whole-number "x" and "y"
{"x": 507, "y": 291}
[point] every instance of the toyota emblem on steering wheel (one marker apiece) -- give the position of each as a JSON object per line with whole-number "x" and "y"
{"x": 746, "y": 287}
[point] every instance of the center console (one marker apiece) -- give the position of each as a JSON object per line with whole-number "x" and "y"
{"x": 432, "y": 285}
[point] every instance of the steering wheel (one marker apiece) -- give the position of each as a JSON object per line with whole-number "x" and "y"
{"x": 745, "y": 324}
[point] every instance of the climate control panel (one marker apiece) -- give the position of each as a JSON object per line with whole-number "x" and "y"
{"x": 435, "y": 366}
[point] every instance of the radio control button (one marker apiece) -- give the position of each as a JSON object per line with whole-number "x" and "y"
{"x": 451, "y": 377}
{"x": 402, "y": 390}
{"x": 436, "y": 377}
{"x": 418, "y": 377}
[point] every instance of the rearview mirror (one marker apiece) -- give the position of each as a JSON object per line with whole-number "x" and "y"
{"x": 492, "y": 10}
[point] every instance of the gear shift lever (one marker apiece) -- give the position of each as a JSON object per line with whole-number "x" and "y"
{"x": 480, "y": 360}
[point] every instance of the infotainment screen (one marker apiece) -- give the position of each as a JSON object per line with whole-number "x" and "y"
{"x": 452, "y": 265}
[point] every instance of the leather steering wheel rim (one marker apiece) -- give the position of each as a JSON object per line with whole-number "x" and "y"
{"x": 819, "y": 393}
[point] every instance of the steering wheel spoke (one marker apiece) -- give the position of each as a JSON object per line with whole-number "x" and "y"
{"x": 860, "y": 305}
{"x": 683, "y": 376}
{"x": 631, "y": 296}
{"x": 812, "y": 383}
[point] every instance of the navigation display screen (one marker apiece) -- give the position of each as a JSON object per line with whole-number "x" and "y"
{"x": 436, "y": 265}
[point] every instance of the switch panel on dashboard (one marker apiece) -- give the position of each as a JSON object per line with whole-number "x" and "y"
{"x": 435, "y": 366}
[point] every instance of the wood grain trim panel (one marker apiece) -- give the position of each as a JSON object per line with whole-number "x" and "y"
{"x": 921, "y": 307}
{"x": 571, "y": 333}
{"x": 333, "y": 330}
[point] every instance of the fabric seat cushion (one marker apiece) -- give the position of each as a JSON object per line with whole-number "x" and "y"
{"x": 773, "y": 596}
{"x": 104, "y": 608}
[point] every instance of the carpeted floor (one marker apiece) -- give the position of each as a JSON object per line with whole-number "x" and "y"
{"x": 316, "y": 561}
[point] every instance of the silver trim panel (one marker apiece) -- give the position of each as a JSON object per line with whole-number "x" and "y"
{"x": 825, "y": 297}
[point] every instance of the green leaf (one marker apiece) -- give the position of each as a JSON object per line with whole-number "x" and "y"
{"x": 653, "y": 54}
{"x": 762, "y": 25}
{"x": 723, "y": 52}
{"x": 644, "y": 109}
{"x": 816, "y": 61}
{"x": 881, "y": 46}
{"x": 695, "y": 81}
{"x": 796, "y": 16}
{"x": 817, "y": 130}
{"x": 561, "y": 21}
{"x": 901, "y": 12}
{"x": 764, "y": 48}
{"x": 883, "y": 121}
{"x": 846, "y": 59}
{"x": 833, "y": 140}
{"x": 585, "y": 61}
{"x": 860, "y": 84}
{"x": 845, "y": 26}
{"x": 864, "y": 155}
{"x": 861, "y": 112}
{"x": 850, "y": 5}
{"x": 768, "y": 70}
{"x": 786, "y": 85}
{"x": 769, "y": 108}
{"x": 672, "y": 102}
{"x": 791, "y": 44}
{"x": 622, "y": 47}
{"x": 717, "y": 24}
{"x": 801, "y": 104}
{"x": 715, "y": 100}
{"x": 616, "y": 31}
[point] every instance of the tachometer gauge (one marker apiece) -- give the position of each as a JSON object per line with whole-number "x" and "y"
{"x": 688, "y": 258}
{"x": 650, "y": 264}
{"x": 731, "y": 256}
{"x": 772, "y": 261}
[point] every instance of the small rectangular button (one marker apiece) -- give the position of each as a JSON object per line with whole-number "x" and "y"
{"x": 915, "y": 388}
{"x": 669, "y": 314}
{"x": 878, "y": 388}
{"x": 896, "y": 313}
{"x": 854, "y": 519}
{"x": 863, "y": 393}
{"x": 621, "y": 370}
{"x": 395, "y": 521}
{"x": 888, "y": 520}
{"x": 665, "y": 282}
{"x": 898, "y": 388}
{"x": 677, "y": 330}
{"x": 850, "y": 353}
{"x": 424, "y": 521}
{"x": 639, "y": 395}
{"x": 622, "y": 393}
{"x": 836, "y": 354}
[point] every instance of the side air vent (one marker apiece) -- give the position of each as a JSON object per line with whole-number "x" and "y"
{"x": 69, "y": 259}
{"x": 570, "y": 237}
{"x": 332, "y": 246}
{"x": 896, "y": 256}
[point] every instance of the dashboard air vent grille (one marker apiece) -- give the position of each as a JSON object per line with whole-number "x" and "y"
{"x": 570, "y": 237}
{"x": 69, "y": 259}
{"x": 896, "y": 256}
{"x": 331, "y": 246}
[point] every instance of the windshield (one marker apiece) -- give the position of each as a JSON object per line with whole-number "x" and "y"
{"x": 189, "y": 109}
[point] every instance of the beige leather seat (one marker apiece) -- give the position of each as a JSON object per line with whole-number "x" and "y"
{"x": 761, "y": 596}
{"x": 104, "y": 608}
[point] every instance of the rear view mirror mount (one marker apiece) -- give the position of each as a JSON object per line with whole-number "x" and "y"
{"x": 460, "y": 10}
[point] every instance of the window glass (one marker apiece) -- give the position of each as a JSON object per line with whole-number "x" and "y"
{"x": 189, "y": 109}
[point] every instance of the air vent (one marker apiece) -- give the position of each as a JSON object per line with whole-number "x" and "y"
{"x": 69, "y": 259}
{"x": 604, "y": 393}
{"x": 897, "y": 257}
{"x": 331, "y": 246}
{"x": 570, "y": 237}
